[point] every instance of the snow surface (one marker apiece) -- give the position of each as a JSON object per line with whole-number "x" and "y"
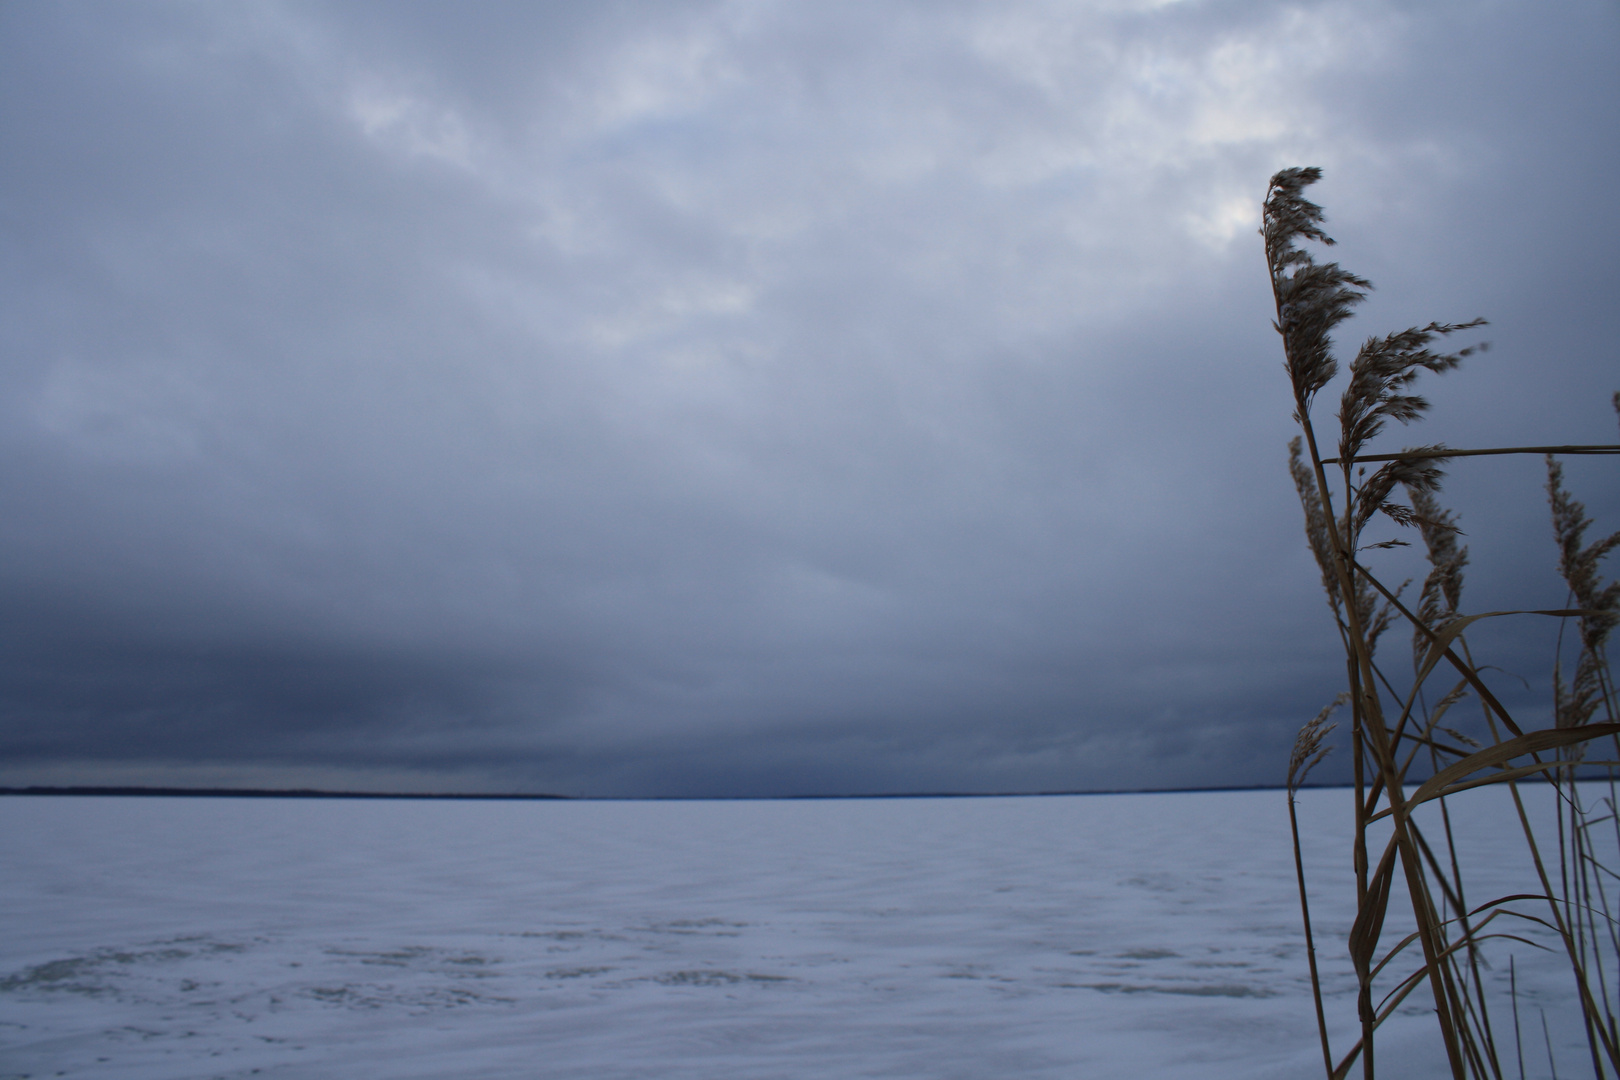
{"x": 1075, "y": 936}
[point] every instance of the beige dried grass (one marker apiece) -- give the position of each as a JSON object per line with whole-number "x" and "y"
{"x": 1391, "y": 730}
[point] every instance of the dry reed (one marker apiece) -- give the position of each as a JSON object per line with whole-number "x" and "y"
{"x": 1392, "y": 729}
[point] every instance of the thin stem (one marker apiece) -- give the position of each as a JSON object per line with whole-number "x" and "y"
{"x": 1419, "y": 455}
{"x": 1310, "y": 942}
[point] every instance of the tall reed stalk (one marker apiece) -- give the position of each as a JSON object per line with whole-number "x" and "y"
{"x": 1394, "y": 727}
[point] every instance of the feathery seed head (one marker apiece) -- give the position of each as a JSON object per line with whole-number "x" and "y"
{"x": 1311, "y": 300}
{"x": 1308, "y": 748}
{"x": 1383, "y": 368}
{"x": 1579, "y": 565}
{"x": 1316, "y": 530}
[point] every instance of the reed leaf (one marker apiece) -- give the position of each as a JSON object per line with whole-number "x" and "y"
{"x": 1532, "y": 742}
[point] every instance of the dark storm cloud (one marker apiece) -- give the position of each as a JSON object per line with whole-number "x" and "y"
{"x": 742, "y": 399}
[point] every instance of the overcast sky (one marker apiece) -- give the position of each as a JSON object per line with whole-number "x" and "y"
{"x": 748, "y": 398}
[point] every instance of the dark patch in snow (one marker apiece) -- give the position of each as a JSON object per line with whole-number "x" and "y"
{"x": 1229, "y": 991}
{"x": 92, "y": 975}
{"x": 713, "y": 927}
{"x": 714, "y": 978}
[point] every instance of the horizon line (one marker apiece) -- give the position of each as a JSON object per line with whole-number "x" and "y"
{"x": 316, "y": 793}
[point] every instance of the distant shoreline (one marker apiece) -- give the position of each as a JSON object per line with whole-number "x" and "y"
{"x": 311, "y": 793}
{"x": 259, "y": 793}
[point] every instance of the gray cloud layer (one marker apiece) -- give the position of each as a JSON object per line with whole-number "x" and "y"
{"x": 743, "y": 398}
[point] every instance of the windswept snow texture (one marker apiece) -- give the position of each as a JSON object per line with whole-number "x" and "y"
{"x": 1076, "y": 937}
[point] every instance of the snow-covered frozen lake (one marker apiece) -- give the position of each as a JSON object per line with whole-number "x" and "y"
{"x": 1078, "y": 937}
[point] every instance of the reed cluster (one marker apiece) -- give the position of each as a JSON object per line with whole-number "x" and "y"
{"x": 1401, "y": 728}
